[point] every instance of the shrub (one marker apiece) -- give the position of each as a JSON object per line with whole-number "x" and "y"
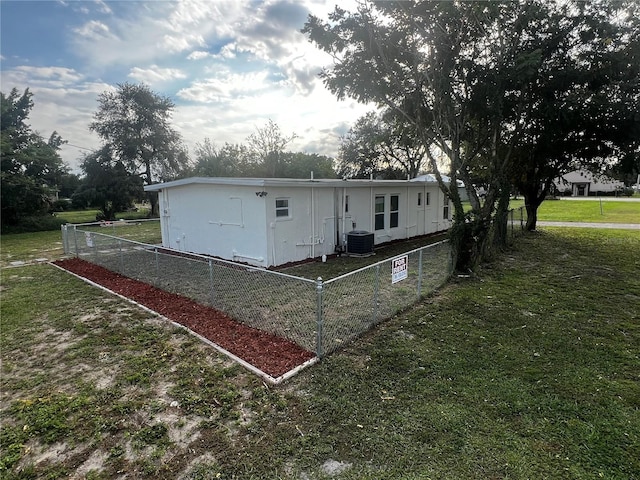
{"x": 61, "y": 205}
{"x": 35, "y": 224}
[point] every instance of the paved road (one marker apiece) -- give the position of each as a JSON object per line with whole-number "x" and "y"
{"x": 622, "y": 226}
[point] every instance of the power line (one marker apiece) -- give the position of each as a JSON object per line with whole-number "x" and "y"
{"x": 81, "y": 148}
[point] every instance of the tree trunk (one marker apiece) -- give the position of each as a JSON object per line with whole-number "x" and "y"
{"x": 153, "y": 201}
{"x": 532, "y": 217}
{"x": 532, "y": 202}
{"x": 500, "y": 226}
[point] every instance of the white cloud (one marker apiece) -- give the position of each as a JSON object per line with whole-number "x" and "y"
{"x": 228, "y": 51}
{"x": 52, "y": 76}
{"x": 103, "y": 7}
{"x": 94, "y": 31}
{"x": 155, "y": 75}
{"x": 64, "y": 101}
{"x": 198, "y": 55}
{"x": 226, "y": 85}
{"x": 231, "y": 66}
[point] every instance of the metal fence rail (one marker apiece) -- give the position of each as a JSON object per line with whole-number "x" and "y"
{"x": 354, "y": 302}
{"x": 319, "y": 316}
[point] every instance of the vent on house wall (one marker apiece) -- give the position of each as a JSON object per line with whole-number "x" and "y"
{"x": 359, "y": 242}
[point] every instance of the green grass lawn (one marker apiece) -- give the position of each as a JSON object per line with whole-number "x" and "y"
{"x": 587, "y": 211}
{"x": 530, "y": 369}
{"x": 27, "y": 247}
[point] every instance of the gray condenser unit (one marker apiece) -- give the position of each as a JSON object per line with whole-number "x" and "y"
{"x": 359, "y": 242}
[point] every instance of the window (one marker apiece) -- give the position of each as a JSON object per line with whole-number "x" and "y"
{"x": 282, "y": 208}
{"x": 346, "y": 203}
{"x": 394, "y": 212}
{"x": 428, "y": 199}
{"x": 379, "y": 217}
{"x": 419, "y": 199}
{"x": 445, "y": 212}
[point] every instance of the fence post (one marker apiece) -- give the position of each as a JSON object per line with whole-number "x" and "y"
{"x": 521, "y": 219}
{"x": 319, "y": 317}
{"x": 121, "y": 256}
{"x": 63, "y": 231}
{"x": 211, "y": 282}
{"x": 375, "y": 294}
{"x": 420, "y": 273}
{"x": 155, "y": 255}
{"x": 75, "y": 239}
{"x": 513, "y": 232}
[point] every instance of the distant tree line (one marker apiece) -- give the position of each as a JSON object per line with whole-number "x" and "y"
{"x": 139, "y": 147}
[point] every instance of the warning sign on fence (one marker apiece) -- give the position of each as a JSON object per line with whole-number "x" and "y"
{"x": 399, "y": 268}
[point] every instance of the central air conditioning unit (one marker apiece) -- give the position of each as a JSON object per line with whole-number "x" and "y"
{"x": 359, "y": 242}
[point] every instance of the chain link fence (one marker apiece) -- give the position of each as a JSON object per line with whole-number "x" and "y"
{"x": 516, "y": 221}
{"x": 354, "y": 302}
{"x": 316, "y": 315}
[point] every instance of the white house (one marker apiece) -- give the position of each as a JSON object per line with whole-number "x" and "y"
{"x": 273, "y": 221}
{"x": 582, "y": 183}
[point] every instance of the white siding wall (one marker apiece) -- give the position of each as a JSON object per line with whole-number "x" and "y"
{"x": 234, "y": 223}
{"x": 309, "y": 229}
{"x": 224, "y": 221}
{"x": 413, "y": 219}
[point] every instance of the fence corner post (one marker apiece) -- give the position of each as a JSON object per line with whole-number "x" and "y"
{"x": 63, "y": 231}
{"x": 319, "y": 317}
{"x": 75, "y": 240}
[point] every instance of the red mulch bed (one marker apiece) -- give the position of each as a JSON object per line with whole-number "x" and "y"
{"x": 271, "y": 354}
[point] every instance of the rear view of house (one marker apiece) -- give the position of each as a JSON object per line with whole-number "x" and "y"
{"x": 269, "y": 222}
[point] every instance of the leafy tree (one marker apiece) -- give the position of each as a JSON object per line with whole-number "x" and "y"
{"x": 31, "y": 168}
{"x": 133, "y": 122}
{"x": 383, "y": 146}
{"x": 300, "y": 165}
{"x": 268, "y": 144}
{"x": 582, "y": 95}
{"x": 107, "y": 185}
{"x": 226, "y": 161}
{"x": 473, "y": 80}
{"x": 435, "y": 65}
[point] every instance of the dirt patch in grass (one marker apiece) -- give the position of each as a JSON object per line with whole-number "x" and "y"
{"x": 271, "y": 354}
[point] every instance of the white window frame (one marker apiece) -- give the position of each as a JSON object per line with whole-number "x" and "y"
{"x": 377, "y": 214}
{"x": 386, "y": 214}
{"x": 396, "y": 211}
{"x": 286, "y": 209}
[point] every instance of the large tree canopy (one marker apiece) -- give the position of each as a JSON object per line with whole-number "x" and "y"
{"x": 107, "y": 185}
{"x": 31, "y": 168}
{"x": 264, "y": 155}
{"x": 468, "y": 78}
{"x": 381, "y": 145}
{"x": 582, "y": 96}
{"x": 134, "y": 123}
{"x": 267, "y": 146}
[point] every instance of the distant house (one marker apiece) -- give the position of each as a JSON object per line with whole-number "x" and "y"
{"x": 273, "y": 221}
{"x": 582, "y": 183}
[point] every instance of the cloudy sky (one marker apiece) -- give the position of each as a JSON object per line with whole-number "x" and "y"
{"x": 229, "y": 66}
